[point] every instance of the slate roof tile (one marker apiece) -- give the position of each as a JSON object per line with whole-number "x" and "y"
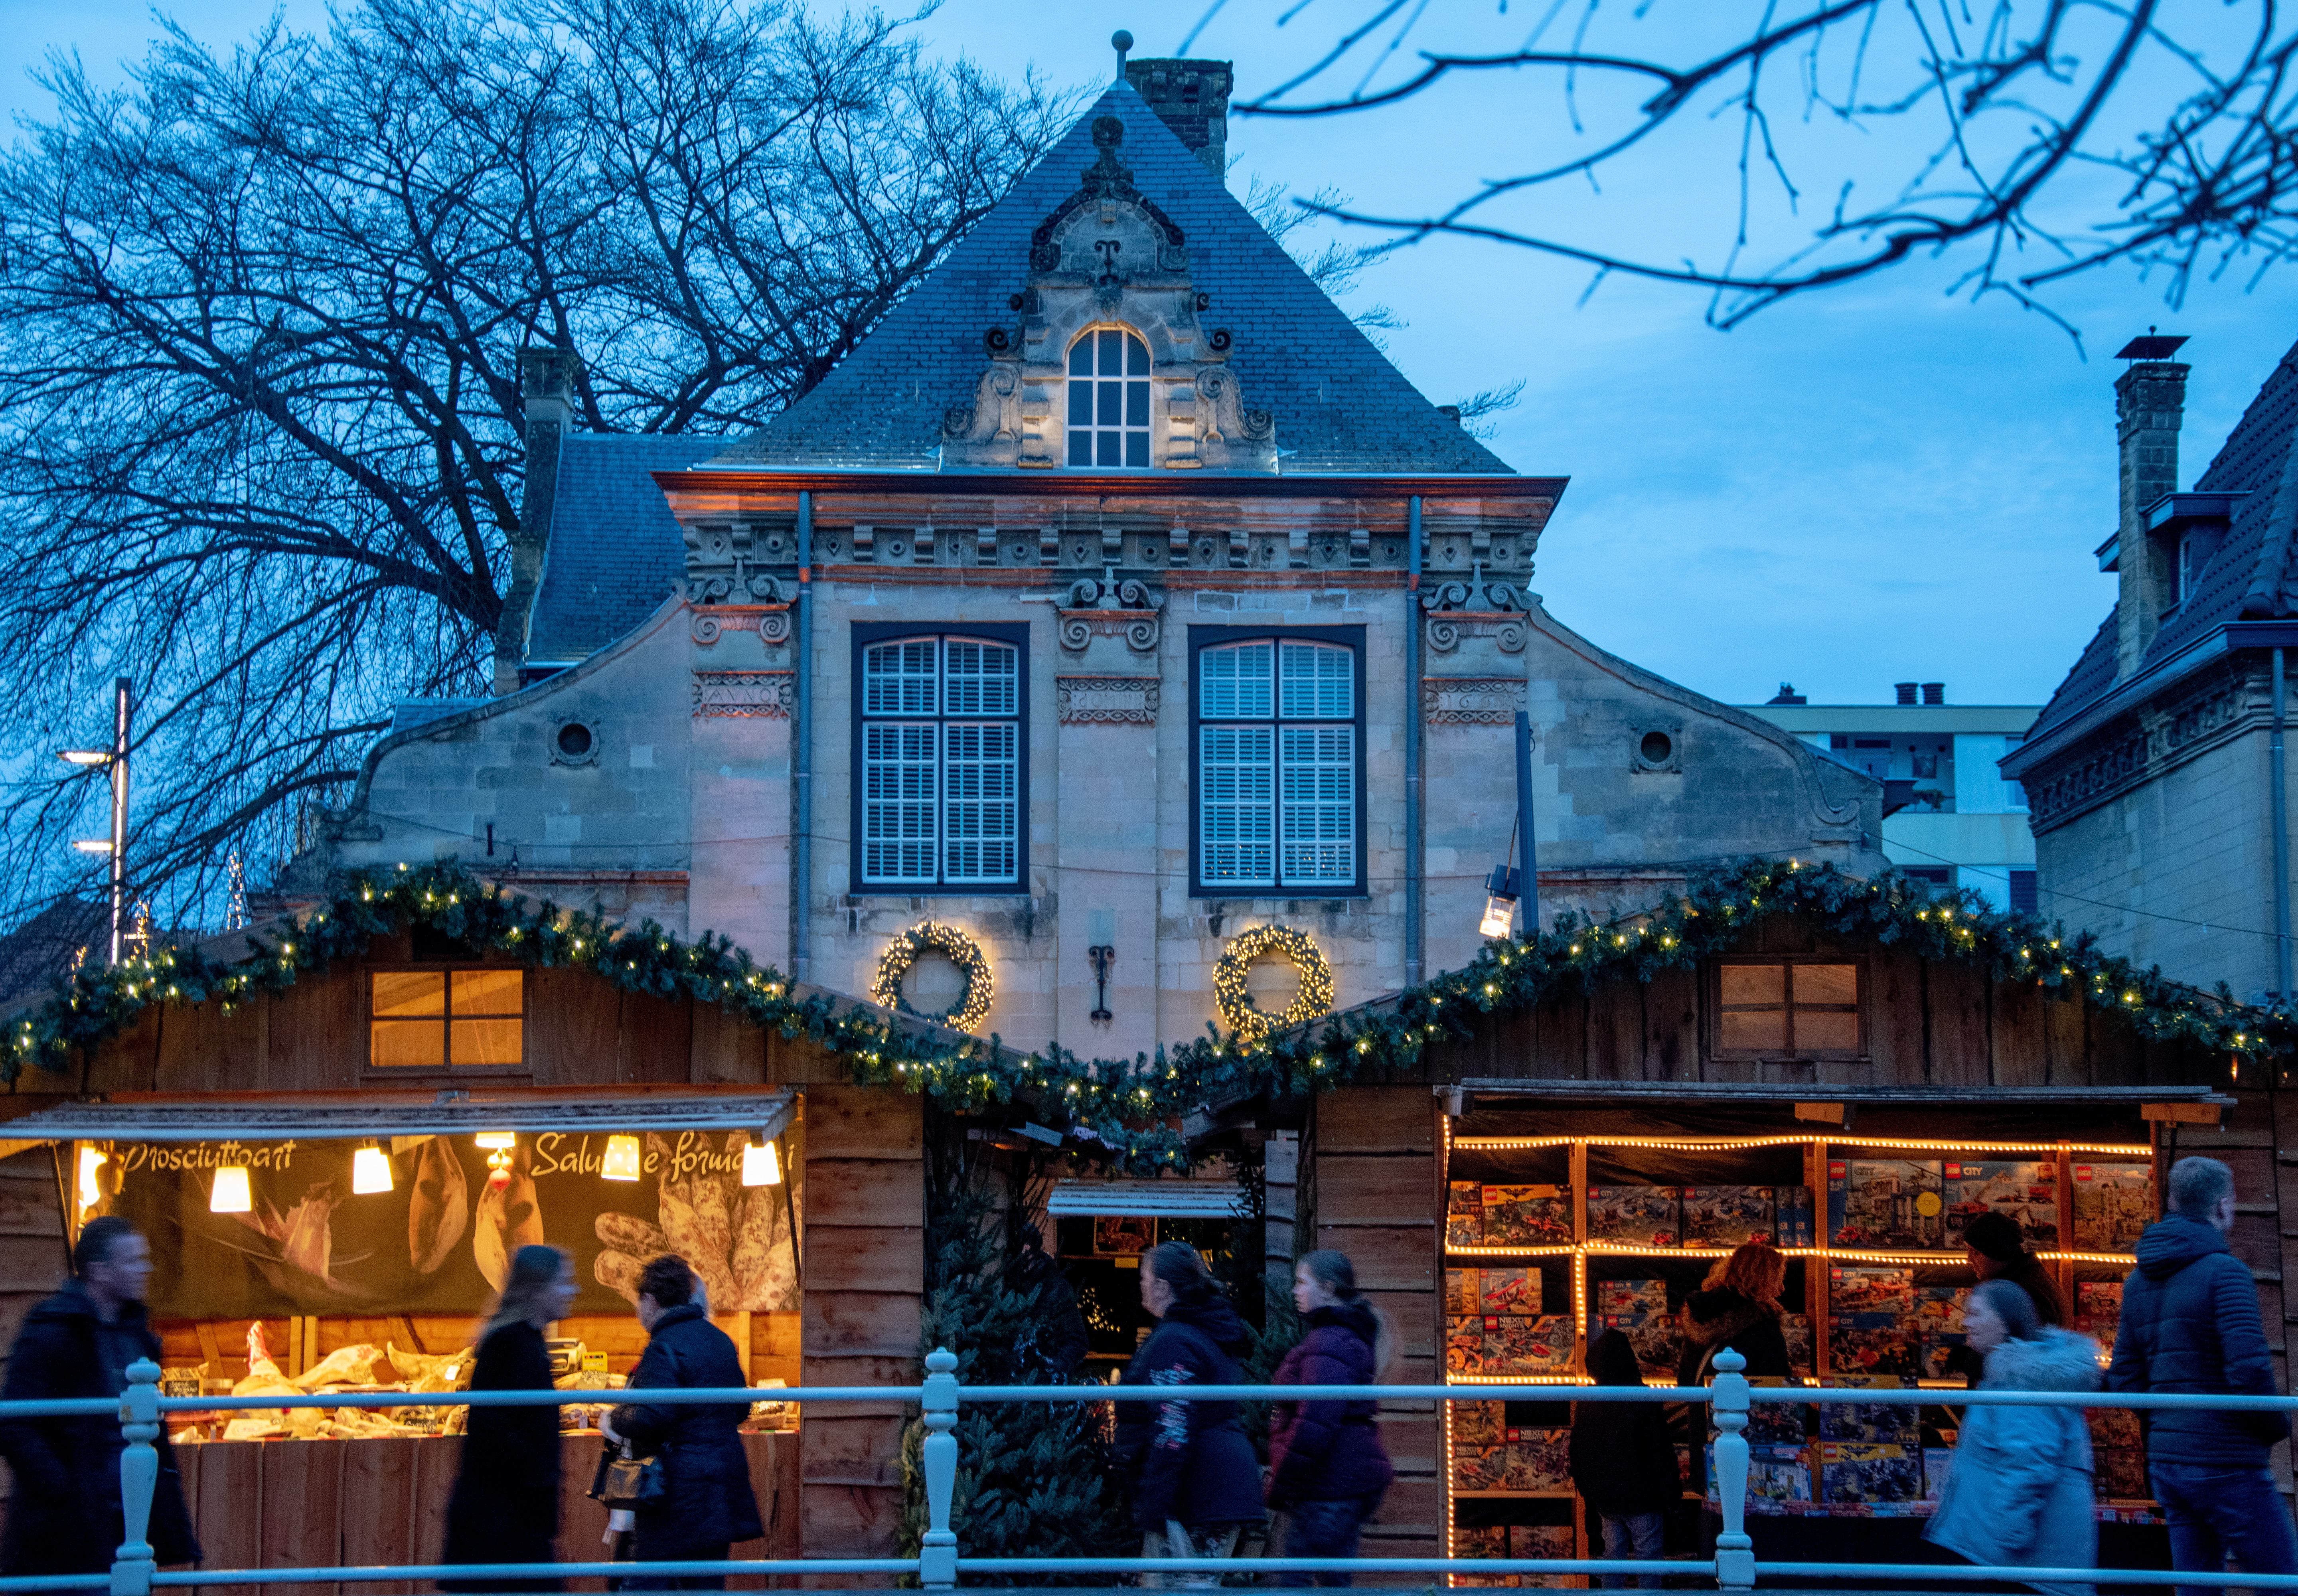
{"x": 615, "y": 551}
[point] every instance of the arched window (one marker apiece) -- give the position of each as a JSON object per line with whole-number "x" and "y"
{"x": 1109, "y": 401}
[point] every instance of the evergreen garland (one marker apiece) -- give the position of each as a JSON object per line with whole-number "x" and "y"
{"x": 1127, "y": 1109}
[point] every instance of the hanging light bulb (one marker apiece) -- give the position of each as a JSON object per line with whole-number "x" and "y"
{"x": 622, "y": 1159}
{"x": 230, "y": 1194}
{"x": 500, "y": 1144}
{"x": 760, "y": 1165}
{"x": 370, "y": 1170}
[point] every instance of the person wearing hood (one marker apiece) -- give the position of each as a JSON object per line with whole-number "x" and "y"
{"x": 2190, "y": 1323}
{"x": 2020, "y": 1492}
{"x": 1328, "y": 1470}
{"x": 1623, "y": 1462}
{"x": 1195, "y": 1484}
{"x": 65, "y": 1517}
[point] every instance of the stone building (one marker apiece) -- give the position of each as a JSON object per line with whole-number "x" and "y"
{"x": 2160, "y": 817}
{"x": 1115, "y": 597}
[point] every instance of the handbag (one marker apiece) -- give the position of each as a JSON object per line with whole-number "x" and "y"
{"x": 628, "y": 1482}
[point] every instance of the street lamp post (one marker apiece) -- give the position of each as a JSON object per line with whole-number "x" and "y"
{"x": 116, "y": 845}
{"x": 1508, "y": 886}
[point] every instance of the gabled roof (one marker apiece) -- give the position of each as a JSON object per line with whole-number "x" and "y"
{"x": 1338, "y": 402}
{"x": 2254, "y": 575}
{"x": 614, "y": 551}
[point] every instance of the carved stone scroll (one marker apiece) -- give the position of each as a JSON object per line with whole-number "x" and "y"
{"x": 768, "y": 694}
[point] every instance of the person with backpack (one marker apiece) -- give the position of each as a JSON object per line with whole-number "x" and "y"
{"x": 1623, "y": 1462}
{"x": 2190, "y": 1323}
{"x": 1195, "y": 1484}
{"x": 1328, "y": 1470}
{"x": 2020, "y": 1491}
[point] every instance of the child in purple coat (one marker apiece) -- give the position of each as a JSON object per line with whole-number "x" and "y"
{"x": 1328, "y": 1470}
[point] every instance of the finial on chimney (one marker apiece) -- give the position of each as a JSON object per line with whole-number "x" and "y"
{"x": 1124, "y": 41}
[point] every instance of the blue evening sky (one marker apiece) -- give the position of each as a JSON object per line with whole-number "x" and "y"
{"x": 1875, "y": 484}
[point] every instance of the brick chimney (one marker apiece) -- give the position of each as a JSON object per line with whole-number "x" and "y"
{"x": 1191, "y": 98}
{"x": 546, "y": 383}
{"x": 2150, "y": 400}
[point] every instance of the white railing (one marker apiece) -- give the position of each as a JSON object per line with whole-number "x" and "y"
{"x": 939, "y": 1564}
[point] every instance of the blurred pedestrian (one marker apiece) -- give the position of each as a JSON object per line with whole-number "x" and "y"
{"x": 65, "y": 1515}
{"x": 707, "y": 1501}
{"x": 1328, "y": 1470}
{"x": 2190, "y": 1323}
{"x": 1196, "y": 1486}
{"x": 1996, "y": 1250}
{"x": 2018, "y": 1492}
{"x": 1623, "y": 1462}
{"x": 1052, "y": 1338}
{"x": 505, "y": 1509}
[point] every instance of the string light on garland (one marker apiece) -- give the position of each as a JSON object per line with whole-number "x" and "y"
{"x": 972, "y": 1005}
{"x": 1238, "y": 1009}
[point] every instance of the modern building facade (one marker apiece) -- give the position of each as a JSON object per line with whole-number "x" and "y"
{"x": 1949, "y": 816}
{"x": 2158, "y": 774}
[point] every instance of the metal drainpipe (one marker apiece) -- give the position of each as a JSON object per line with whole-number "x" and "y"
{"x": 802, "y": 765}
{"x": 1525, "y": 848}
{"x": 2279, "y": 781}
{"x": 1412, "y": 930}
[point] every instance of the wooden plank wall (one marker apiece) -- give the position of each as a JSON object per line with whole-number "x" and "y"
{"x": 1376, "y": 1200}
{"x": 864, "y": 1273}
{"x": 1928, "y": 1024}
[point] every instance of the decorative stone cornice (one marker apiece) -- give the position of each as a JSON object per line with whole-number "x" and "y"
{"x": 1109, "y": 606}
{"x": 1471, "y": 700}
{"x": 1475, "y": 608}
{"x": 771, "y": 622}
{"x": 767, "y": 695}
{"x": 1107, "y": 700}
{"x": 2135, "y": 749}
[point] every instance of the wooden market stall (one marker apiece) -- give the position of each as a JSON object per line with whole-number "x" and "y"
{"x": 1578, "y": 1165}
{"x": 549, "y": 1106}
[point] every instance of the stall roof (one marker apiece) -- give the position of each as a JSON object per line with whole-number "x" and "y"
{"x": 337, "y": 1119}
{"x": 1167, "y": 1199}
{"x": 1914, "y": 1096}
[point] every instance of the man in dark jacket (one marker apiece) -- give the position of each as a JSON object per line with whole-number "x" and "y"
{"x": 65, "y": 1517}
{"x": 1997, "y": 1251}
{"x": 2190, "y": 1324}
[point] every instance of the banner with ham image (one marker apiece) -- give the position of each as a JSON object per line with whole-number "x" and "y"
{"x": 439, "y": 1241}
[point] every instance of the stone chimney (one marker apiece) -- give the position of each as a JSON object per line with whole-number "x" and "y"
{"x": 2150, "y": 400}
{"x": 546, "y": 385}
{"x": 1191, "y": 98}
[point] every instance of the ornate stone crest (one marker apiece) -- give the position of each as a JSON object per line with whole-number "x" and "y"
{"x": 1109, "y": 606}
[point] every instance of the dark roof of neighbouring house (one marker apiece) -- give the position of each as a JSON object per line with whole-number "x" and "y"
{"x": 1339, "y": 404}
{"x": 44, "y": 948}
{"x": 2253, "y": 576}
{"x": 614, "y": 551}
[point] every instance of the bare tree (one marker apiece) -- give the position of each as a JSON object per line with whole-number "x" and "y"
{"x": 2039, "y": 138}
{"x": 261, "y": 316}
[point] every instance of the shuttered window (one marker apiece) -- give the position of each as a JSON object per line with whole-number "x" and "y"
{"x": 939, "y": 763}
{"x": 1279, "y": 786}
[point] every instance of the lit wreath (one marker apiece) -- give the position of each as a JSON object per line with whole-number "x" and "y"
{"x": 973, "y": 1005}
{"x": 1282, "y": 941}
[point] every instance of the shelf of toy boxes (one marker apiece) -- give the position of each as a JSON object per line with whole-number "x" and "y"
{"x": 1892, "y": 1308}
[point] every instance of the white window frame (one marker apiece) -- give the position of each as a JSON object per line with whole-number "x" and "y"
{"x": 1117, "y": 410}
{"x": 940, "y": 760}
{"x": 1277, "y": 776}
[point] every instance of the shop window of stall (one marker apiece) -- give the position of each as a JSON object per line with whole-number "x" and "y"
{"x": 446, "y": 1019}
{"x": 1789, "y": 1008}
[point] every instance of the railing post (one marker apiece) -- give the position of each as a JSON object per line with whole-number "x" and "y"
{"x": 1735, "y": 1553}
{"x": 139, "y": 1475}
{"x": 938, "y": 1558}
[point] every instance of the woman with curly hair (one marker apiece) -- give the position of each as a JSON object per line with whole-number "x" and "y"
{"x": 1737, "y": 1307}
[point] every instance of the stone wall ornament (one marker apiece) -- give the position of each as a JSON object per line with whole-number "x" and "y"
{"x": 748, "y": 695}
{"x": 1475, "y": 609}
{"x": 1471, "y": 700}
{"x": 1107, "y": 700}
{"x": 1107, "y": 606}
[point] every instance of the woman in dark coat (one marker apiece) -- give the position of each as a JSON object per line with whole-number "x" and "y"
{"x": 65, "y": 1517}
{"x": 505, "y": 1509}
{"x": 1738, "y": 1308}
{"x": 1623, "y": 1462}
{"x": 1328, "y": 1470}
{"x": 1195, "y": 1484}
{"x": 707, "y": 1501}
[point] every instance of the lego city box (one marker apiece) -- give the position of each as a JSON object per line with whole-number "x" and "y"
{"x": 2113, "y": 1204}
{"x": 1885, "y": 1203}
{"x": 2025, "y": 1192}
{"x": 1527, "y": 1216}
{"x": 1727, "y": 1216}
{"x": 1644, "y": 1215}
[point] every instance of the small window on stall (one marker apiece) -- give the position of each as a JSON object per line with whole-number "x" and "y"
{"x": 1788, "y": 1008}
{"x": 446, "y": 1019}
